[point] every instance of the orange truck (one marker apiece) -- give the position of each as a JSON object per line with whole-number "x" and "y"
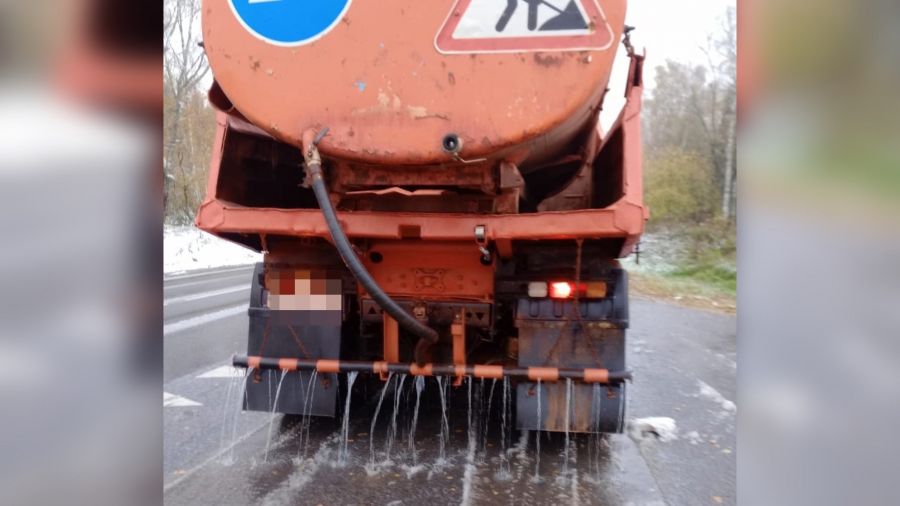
{"x": 433, "y": 195}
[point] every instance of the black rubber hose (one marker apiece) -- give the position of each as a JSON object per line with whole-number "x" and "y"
{"x": 427, "y": 335}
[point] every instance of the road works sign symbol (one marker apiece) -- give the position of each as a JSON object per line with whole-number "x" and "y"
{"x": 510, "y": 26}
{"x": 289, "y": 22}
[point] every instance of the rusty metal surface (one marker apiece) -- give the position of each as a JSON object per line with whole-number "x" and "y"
{"x": 439, "y": 313}
{"x": 431, "y": 270}
{"x": 377, "y": 81}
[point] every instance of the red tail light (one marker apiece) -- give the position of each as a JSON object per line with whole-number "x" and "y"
{"x": 567, "y": 289}
{"x": 561, "y": 289}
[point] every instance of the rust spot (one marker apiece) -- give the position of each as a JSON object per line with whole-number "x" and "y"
{"x": 254, "y": 64}
{"x": 351, "y": 133}
{"x": 546, "y": 60}
{"x": 451, "y": 78}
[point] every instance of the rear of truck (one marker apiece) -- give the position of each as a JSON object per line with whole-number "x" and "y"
{"x": 433, "y": 196}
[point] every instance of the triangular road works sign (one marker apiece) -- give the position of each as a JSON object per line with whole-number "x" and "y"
{"x": 513, "y": 26}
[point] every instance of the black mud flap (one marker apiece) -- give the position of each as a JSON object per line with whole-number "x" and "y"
{"x": 592, "y": 408}
{"x": 291, "y": 334}
{"x": 551, "y": 334}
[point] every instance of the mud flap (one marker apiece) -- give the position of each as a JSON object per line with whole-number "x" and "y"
{"x": 291, "y": 334}
{"x": 593, "y": 408}
{"x": 552, "y": 334}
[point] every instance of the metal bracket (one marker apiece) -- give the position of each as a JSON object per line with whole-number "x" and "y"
{"x": 481, "y": 241}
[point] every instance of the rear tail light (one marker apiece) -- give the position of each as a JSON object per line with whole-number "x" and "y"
{"x": 595, "y": 289}
{"x": 567, "y": 289}
{"x": 561, "y": 289}
{"x": 537, "y": 289}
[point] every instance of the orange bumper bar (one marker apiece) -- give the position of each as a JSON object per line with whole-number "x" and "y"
{"x": 588, "y": 375}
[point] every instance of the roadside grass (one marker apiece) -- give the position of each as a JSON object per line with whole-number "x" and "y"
{"x": 693, "y": 266}
{"x": 685, "y": 290}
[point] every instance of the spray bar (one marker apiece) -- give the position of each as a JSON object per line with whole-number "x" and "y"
{"x": 588, "y": 375}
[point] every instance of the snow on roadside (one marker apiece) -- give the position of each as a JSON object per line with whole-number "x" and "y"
{"x": 661, "y": 427}
{"x": 188, "y": 248}
{"x": 728, "y": 407}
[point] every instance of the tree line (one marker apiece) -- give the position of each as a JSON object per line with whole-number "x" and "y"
{"x": 690, "y": 125}
{"x": 189, "y": 120}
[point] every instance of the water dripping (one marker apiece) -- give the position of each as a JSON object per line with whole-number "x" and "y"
{"x": 594, "y": 439}
{"x": 469, "y": 410}
{"x": 236, "y": 415}
{"x": 392, "y": 432}
{"x": 306, "y": 421}
{"x": 375, "y": 420}
{"x": 568, "y": 415}
{"x": 445, "y": 424}
{"x": 231, "y": 383}
{"x": 504, "y": 458}
{"x": 487, "y": 418}
{"x": 469, "y": 473}
{"x": 420, "y": 385}
{"x": 537, "y": 453}
{"x": 284, "y": 375}
{"x": 345, "y": 423}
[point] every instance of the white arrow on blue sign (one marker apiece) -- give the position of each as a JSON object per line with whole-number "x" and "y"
{"x": 289, "y": 22}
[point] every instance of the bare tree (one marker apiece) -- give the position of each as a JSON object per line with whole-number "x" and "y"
{"x": 184, "y": 66}
{"x": 715, "y": 106}
{"x": 726, "y": 46}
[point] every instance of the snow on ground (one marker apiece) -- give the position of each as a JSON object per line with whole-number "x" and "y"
{"x": 661, "y": 427}
{"x": 188, "y": 248}
{"x": 660, "y": 253}
{"x": 714, "y": 395}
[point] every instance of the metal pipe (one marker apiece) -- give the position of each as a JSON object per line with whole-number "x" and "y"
{"x": 545, "y": 374}
{"x": 427, "y": 335}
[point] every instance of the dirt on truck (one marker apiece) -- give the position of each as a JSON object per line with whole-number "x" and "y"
{"x": 433, "y": 195}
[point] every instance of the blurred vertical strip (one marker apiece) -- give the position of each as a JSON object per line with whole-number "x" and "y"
{"x": 819, "y": 243}
{"x": 81, "y": 257}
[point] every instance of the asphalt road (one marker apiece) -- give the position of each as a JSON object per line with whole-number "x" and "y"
{"x": 684, "y": 362}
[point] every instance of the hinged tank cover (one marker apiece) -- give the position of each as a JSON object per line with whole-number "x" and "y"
{"x": 392, "y": 78}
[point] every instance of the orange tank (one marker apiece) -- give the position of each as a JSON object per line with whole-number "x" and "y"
{"x": 392, "y": 78}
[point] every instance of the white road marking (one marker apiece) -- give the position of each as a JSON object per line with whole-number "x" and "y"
{"x": 226, "y": 371}
{"x": 205, "y": 295}
{"x": 238, "y": 276}
{"x": 177, "y": 401}
{"x": 207, "y": 273}
{"x": 203, "y": 319}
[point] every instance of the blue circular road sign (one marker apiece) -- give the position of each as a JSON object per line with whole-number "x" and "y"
{"x": 289, "y": 22}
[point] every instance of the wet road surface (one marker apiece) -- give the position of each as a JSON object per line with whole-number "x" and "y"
{"x": 685, "y": 368}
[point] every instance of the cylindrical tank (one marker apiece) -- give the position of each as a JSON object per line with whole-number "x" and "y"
{"x": 391, "y": 79}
